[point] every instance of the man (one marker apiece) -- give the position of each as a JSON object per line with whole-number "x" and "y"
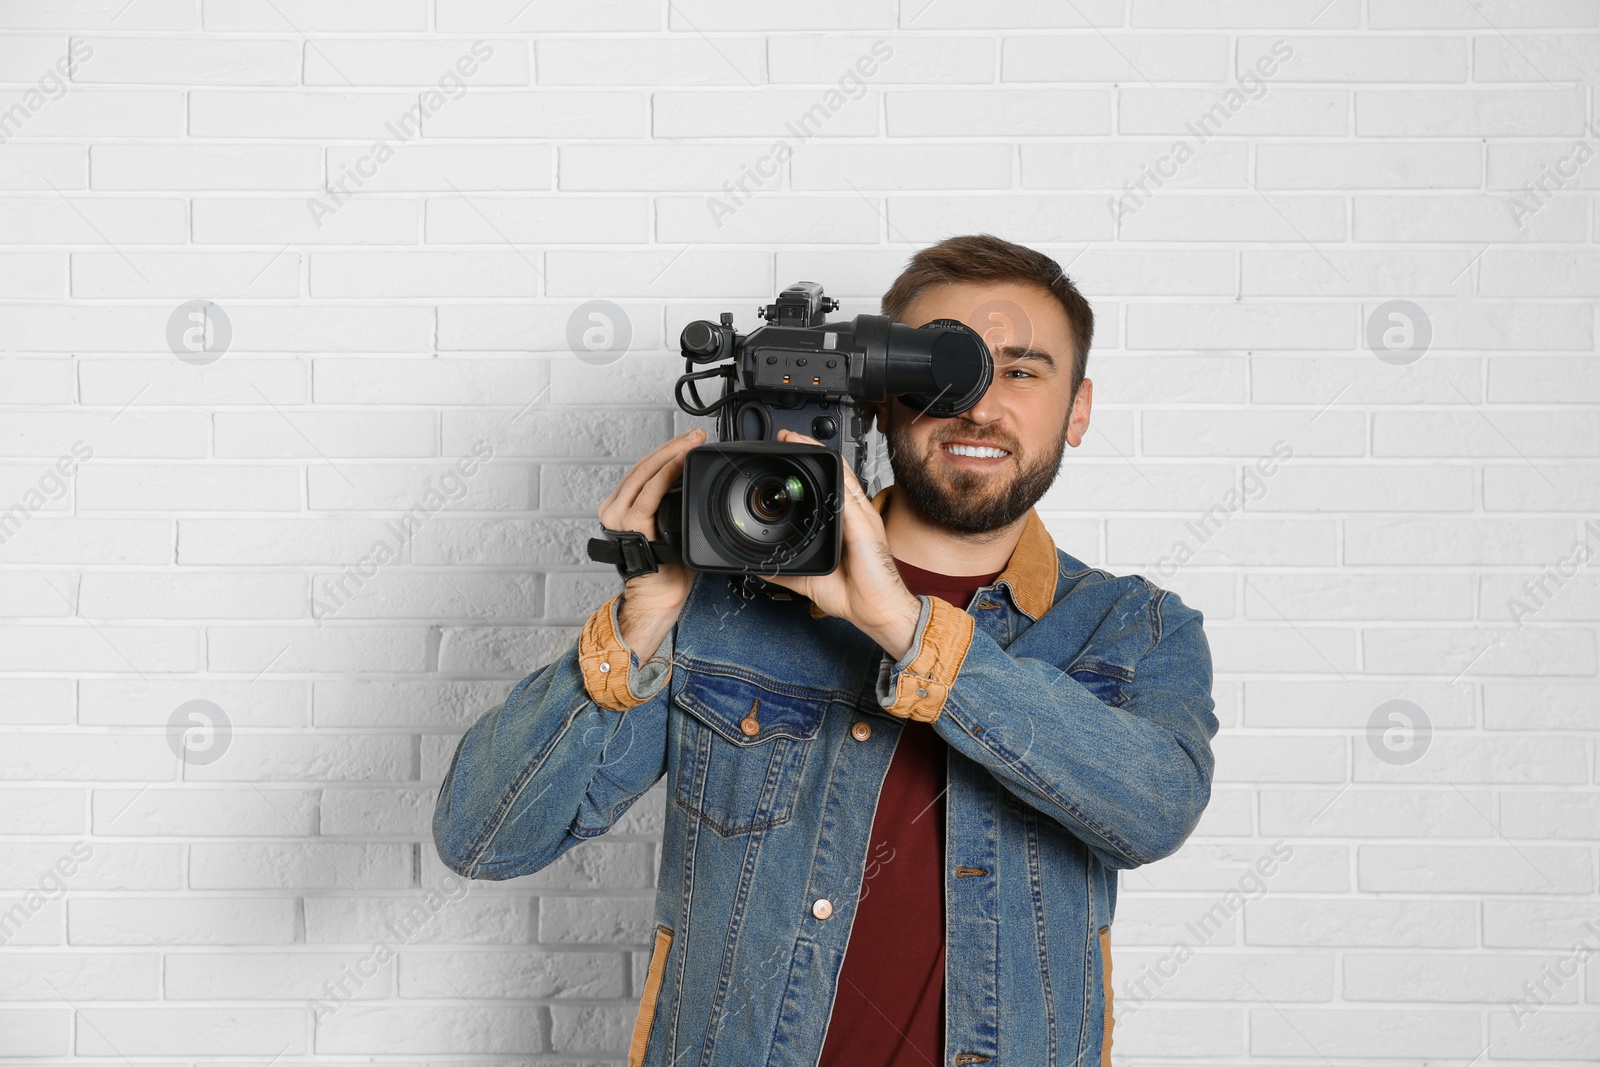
{"x": 936, "y": 757}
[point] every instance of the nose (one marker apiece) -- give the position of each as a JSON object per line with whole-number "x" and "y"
{"x": 986, "y": 410}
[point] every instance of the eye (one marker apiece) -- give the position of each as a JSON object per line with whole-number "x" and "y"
{"x": 1019, "y": 370}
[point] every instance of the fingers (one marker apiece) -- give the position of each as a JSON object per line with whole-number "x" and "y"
{"x": 863, "y": 525}
{"x": 643, "y": 512}
{"x": 648, "y": 464}
{"x": 641, "y": 489}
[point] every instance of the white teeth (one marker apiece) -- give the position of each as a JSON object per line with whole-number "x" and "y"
{"x": 977, "y": 451}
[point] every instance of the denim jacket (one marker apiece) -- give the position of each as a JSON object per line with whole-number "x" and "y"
{"x": 1077, "y": 707}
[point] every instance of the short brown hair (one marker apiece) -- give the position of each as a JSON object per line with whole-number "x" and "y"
{"x": 986, "y": 258}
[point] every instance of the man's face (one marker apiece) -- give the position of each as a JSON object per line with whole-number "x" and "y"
{"x": 982, "y": 470}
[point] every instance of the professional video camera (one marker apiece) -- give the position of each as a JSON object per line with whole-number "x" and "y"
{"x": 748, "y": 503}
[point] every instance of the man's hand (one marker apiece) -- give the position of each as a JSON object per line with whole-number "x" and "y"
{"x": 650, "y": 602}
{"x": 865, "y": 588}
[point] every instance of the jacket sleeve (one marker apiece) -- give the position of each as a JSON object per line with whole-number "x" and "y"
{"x": 1129, "y": 779}
{"x": 572, "y": 747}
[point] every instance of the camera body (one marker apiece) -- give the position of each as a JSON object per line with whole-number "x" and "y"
{"x": 790, "y": 375}
{"x": 793, "y": 374}
{"x": 750, "y": 504}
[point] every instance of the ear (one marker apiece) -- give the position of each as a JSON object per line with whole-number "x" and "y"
{"x": 1078, "y": 418}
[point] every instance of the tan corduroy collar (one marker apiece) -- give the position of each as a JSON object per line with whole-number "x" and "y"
{"x": 1030, "y": 574}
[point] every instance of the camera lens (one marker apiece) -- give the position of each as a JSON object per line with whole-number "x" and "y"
{"x": 766, "y": 506}
{"x": 772, "y": 498}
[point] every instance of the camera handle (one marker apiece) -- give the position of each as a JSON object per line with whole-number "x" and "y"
{"x": 633, "y": 555}
{"x": 643, "y": 557}
{"x": 631, "y": 552}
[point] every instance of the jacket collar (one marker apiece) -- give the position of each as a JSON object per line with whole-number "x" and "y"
{"x": 1030, "y": 574}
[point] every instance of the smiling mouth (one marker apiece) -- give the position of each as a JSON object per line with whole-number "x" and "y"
{"x": 975, "y": 451}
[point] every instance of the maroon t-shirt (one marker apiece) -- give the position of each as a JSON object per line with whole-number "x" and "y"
{"x": 889, "y": 1011}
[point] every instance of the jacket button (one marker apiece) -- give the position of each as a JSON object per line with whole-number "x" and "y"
{"x": 749, "y": 726}
{"x": 861, "y": 731}
{"x": 822, "y": 908}
{"x": 605, "y": 668}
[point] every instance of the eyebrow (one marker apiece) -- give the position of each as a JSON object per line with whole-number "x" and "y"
{"x": 1013, "y": 352}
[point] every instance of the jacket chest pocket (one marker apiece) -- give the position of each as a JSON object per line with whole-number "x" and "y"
{"x": 741, "y": 748}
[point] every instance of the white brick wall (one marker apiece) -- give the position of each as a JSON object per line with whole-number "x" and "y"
{"x": 178, "y": 516}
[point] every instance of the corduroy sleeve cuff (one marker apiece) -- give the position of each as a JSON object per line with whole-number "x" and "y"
{"x": 916, "y": 687}
{"x": 611, "y": 669}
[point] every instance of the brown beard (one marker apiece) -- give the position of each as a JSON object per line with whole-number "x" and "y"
{"x": 971, "y": 503}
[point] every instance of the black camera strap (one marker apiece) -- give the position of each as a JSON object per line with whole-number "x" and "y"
{"x": 631, "y": 552}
